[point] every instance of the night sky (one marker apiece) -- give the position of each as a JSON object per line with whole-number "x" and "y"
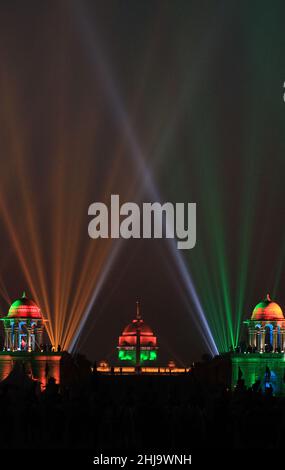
{"x": 95, "y": 94}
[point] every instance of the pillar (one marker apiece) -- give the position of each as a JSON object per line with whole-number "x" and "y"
{"x": 29, "y": 338}
{"x": 8, "y": 338}
{"x": 262, "y": 339}
{"x": 5, "y": 340}
{"x": 16, "y": 337}
{"x": 258, "y": 340}
{"x": 10, "y": 342}
{"x": 252, "y": 337}
{"x": 274, "y": 343}
{"x": 282, "y": 342}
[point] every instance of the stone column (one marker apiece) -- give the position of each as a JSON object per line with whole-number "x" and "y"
{"x": 29, "y": 338}
{"x": 262, "y": 339}
{"x": 10, "y": 343}
{"x": 258, "y": 341}
{"x": 252, "y": 338}
{"x": 274, "y": 342}
{"x": 282, "y": 343}
{"x": 8, "y": 338}
{"x": 16, "y": 338}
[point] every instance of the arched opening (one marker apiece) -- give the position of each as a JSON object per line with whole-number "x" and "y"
{"x": 23, "y": 338}
{"x": 268, "y": 343}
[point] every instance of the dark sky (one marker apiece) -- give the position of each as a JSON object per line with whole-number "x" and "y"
{"x": 197, "y": 88}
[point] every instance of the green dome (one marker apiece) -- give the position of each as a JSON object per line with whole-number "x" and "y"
{"x": 24, "y": 308}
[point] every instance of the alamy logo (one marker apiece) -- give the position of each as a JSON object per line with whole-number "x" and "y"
{"x": 155, "y": 221}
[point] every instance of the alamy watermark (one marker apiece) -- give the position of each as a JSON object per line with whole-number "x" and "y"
{"x": 152, "y": 220}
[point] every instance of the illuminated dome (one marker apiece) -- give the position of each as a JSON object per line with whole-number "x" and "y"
{"x": 267, "y": 311}
{"x": 24, "y": 308}
{"x": 131, "y": 329}
{"x": 137, "y": 328}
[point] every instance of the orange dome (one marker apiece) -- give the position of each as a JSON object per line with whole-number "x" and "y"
{"x": 267, "y": 311}
{"x": 24, "y": 308}
{"x": 137, "y": 328}
{"x": 131, "y": 329}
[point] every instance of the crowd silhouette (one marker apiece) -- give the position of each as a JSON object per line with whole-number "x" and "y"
{"x": 91, "y": 410}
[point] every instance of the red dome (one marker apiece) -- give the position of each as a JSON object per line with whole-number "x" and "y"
{"x": 131, "y": 329}
{"x": 138, "y": 326}
{"x": 267, "y": 311}
{"x": 24, "y": 308}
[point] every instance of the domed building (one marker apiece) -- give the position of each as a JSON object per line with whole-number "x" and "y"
{"x": 23, "y": 343}
{"x": 23, "y": 326}
{"x": 266, "y": 327}
{"x": 137, "y": 343}
{"x": 262, "y": 365}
